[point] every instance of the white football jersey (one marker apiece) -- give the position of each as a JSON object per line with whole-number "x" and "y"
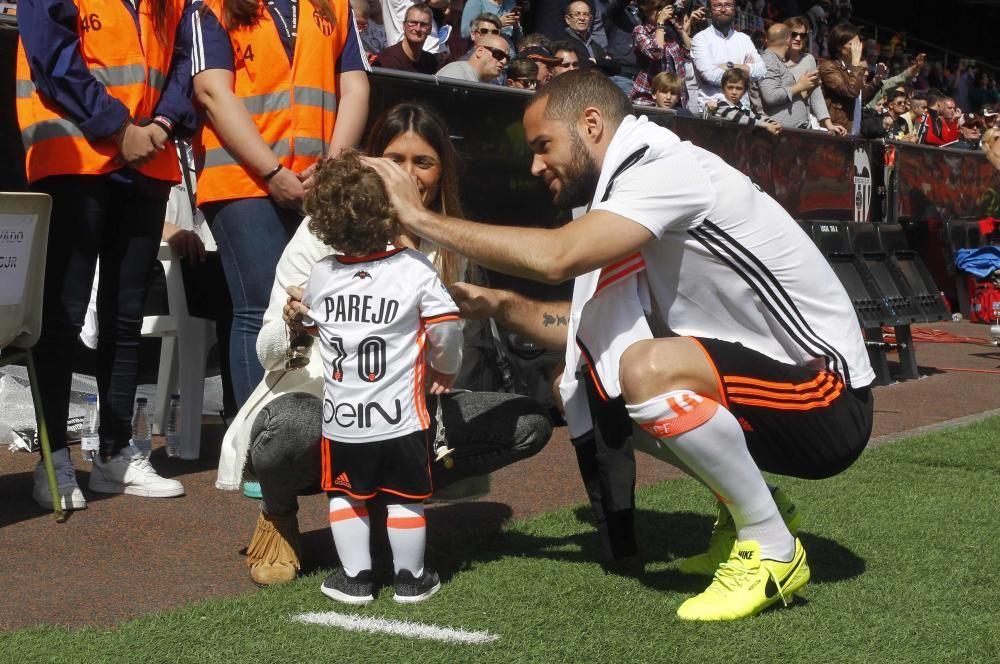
{"x": 727, "y": 261}
{"x": 370, "y": 314}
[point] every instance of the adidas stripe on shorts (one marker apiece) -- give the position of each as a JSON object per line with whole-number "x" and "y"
{"x": 397, "y": 466}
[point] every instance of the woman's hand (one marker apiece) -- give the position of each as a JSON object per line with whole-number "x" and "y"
{"x": 693, "y": 19}
{"x": 286, "y": 189}
{"x": 856, "y": 47}
{"x": 439, "y": 383}
{"x": 185, "y": 244}
{"x": 294, "y": 311}
{"x": 665, "y": 15}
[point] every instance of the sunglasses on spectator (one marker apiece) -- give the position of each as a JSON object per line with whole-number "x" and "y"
{"x": 799, "y": 35}
{"x": 417, "y": 24}
{"x": 528, "y": 82}
{"x": 498, "y": 53}
{"x": 487, "y": 31}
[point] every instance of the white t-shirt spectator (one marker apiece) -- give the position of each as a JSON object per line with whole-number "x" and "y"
{"x": 711, "y": 50}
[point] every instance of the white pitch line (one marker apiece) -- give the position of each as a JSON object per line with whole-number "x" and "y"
{"x": 405, "y": 628}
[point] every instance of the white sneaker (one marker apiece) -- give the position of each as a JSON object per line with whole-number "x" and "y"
{"x": 69, "y": 491}
{"x": 130, "y": 472}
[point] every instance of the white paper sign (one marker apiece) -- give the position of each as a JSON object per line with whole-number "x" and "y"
{"x": 16, "y": 232}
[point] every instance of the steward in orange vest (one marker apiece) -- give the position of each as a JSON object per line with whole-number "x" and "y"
{"x": 292, "y": 104}
{"x": 128, "y": 56}
{"x": 102, "y": 86}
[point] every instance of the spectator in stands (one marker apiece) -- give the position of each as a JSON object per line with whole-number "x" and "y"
{"x": 662, "y": 43}
{"x": 618, "y": 18}
{"x": 485, "y": 65}
{"x": 896, "y": 107}
{"x": 844, "y": 86}
{"x": 579, "y": 17}
{"x": 368, "y": 16}
{"x": 783, "y": 97}
{"x": 899, "y": 79}
{"x": 917, "y": 105}
{"x": 254, "y": 175}
{"x": 394, "y": 14}
{"x": 981, "y": 93}
{"x": 569, "y": 58}
{"x": 721, "y": 47}
{"x": 799, "y": 60}
{"x": 990, "y": 117}
{"x": 109, "y": 179}
{"x": 668, "y": 90}
{"x": 536, "y": 49}
{"x": 522, "y": 74}
{"x": 509, "y": 12}
{"x": 483, "y": 25}
{"x": 409, "y": 54}
{"x": 970, "y": 127}
{"x": 940, "y": 125}
{"x": 733, "y": 105}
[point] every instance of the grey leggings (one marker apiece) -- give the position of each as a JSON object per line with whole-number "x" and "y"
{"x": 487, "y": 430}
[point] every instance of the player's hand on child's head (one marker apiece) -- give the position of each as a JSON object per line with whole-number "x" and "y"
{"x": 402, "y": 187}
{"x": 439, "y": 383}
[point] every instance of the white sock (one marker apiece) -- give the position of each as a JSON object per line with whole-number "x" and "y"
{"x": 351, "y": 533}
{"x": 407, "y": 530}
{"x": 709, "y": 441}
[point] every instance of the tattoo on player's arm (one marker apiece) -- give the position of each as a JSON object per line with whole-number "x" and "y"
{"x": 549, "y": 320}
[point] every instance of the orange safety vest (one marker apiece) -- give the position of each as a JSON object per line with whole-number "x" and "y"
{"x": 132, "y": 64}
{"x": 294, "y": 106}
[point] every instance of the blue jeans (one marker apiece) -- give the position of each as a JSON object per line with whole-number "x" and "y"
{"x": 251, "y": 234}
{"x": 96, "y": 216}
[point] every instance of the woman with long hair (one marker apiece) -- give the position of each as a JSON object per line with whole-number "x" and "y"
{"x": 662, "y": 44}
{"x": 101, "y": 90}
{"x": 276, "y": 435}
{"x": 282, "y": 84}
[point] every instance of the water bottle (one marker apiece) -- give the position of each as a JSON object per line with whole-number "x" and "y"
{"x": 90, "y": 441}
{"x": 174, "y": 427}
{"x": 141, "y": 435}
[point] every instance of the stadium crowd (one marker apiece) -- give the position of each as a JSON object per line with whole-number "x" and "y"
{"x": 267, "y": 92}
{"x": 649, "y": 46}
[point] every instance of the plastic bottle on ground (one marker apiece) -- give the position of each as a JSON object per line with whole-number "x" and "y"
{"x": 142, "y": 436}
{"x": 90, "y": 440}
{"x": 173, "y": 433}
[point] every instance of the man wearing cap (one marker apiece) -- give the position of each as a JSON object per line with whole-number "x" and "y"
{"x": 970, "y": 128}
{"x": 544, "y": 59}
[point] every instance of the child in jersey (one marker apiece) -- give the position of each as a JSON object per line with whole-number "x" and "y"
{"x": 381, "y": 316}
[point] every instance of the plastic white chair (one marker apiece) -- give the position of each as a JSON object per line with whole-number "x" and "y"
{"x": 24, "y": 239}
{"x": 183, "y": 355}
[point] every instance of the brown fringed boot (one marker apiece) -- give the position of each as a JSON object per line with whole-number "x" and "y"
{"x": 273, "y": 554}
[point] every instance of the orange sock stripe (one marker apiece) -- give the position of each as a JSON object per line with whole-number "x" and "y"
{"x": 359, "y": 512}
{"x": 675, "y": 426}
{"x": 406, "y": 522}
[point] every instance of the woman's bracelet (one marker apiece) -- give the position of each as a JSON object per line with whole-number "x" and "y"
{"x": 661, "y": 26}
{"x": 274, "y": 171}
